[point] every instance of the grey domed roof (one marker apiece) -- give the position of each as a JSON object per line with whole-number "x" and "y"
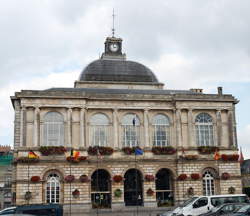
{"x": 117, "y": 71}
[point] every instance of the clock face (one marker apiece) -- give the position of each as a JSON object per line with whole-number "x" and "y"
{"x": 114, "y": 47}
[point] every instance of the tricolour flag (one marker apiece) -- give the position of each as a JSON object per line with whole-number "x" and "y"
{"x": 138, "y": 151}
{"x": 75, "y": 154}
{"x": 32, "y": 154}
{"x": 216, "y": 155}
{"x": 241, "y": 157}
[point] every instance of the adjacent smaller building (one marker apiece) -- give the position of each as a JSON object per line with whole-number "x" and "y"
{"x": 6, "y": 157}
{"x": 245, "y": 172}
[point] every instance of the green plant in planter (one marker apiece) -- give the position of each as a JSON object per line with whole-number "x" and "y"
{"x": 27, "y": 160}
{"x": 101, "y": 149}
{"x": 118, "y": 193}
{"x": 27, "y": 195}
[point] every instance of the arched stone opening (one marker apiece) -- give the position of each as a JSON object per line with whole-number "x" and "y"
{"x": 164, "y": 188}
{"x": 101, "y": 189}
{"x": 133, "y": 188}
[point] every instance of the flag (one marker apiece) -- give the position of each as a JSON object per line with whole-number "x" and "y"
{"x": 216, "y": 155}
{"x": 75, "y": 154}
{"x": 32, "y": 154}
{"x": 138, "y": 151}
{"x": 241, "y": 157}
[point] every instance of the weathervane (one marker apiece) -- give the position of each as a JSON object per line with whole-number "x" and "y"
{"x": 113, "y": 29}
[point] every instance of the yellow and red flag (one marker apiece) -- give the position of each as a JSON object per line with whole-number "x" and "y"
{"x": 76, "y": 154}
{"x": 216, "y": 155}
{"x": 32, "y": 154}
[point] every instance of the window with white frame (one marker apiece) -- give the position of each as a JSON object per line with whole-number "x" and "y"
{"x": 53, "y": 188}
{"x": 53, "y": 131}
{"x": 161, "y": 132}
{"x": 208, "y": 183}
{"x": 204, "y": 130}
{"x": 99, "y": 129}
{"x": 131, "y": 130}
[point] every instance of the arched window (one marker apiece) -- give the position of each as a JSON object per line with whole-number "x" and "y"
{"x": 131, "y": 130}
{"x": 208, "y": 183}
{"x": 53, "y": 131}
{"x": 53, "y": 188}
{"x": 161, "y": 136}
{"x": 204, "y": 130}
{"x": 99, "y": 125}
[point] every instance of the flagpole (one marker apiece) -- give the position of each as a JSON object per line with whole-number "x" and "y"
{"x": 28, "y": 180}
{"x": 71, "y": 154}
{"x": 97, "y": 177}
{"x": 136, "y": 185}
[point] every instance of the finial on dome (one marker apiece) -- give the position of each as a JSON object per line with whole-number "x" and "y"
{"x": 113, "y": 29}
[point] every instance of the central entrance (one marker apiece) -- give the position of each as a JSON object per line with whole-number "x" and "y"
{"x": 133, "y": 192}
{"x": 100, "y": 189}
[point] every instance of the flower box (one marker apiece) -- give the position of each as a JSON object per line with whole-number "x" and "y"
{"x": 225, "y": 176}
{"x": 118, "y": 193}
{"x": 195, "y": 176}
{"x": 52, "y": 150}
{"x": 182, "y": 177}
{"x": 150, "y": 192}
{"x": 69, "y": 178}
{"x": 76, "y": 160}
{"x": 168, "y": 150}
{"x": 207, "y": 149}
{"x": 76, "y": 193}
{"x": 35, "y": 179}
{"x": 189, "y": 157}
{"x": 149, "y": 177}
{"x": 102, "y": 150}
{"x": 27, "y": 160}
{"x": 130, "y": 150}
{"x": 117, "y": 178}
{"x": 84, "y": 178}
{"x": 229, "y": 157}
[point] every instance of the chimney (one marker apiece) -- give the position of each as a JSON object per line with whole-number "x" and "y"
{"x": 220, "y": 92}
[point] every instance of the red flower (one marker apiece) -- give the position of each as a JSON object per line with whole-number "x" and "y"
{"x": 69, "y": 178}
{"x": 84, "y": 178}
{"x": 230, "y": 157}
{"x": 182, "y": 177}
{"x": 167, "y": 150}
{"x": 225, "y": 176}
{"x": 35, "y": 178}
{"x": 150, "y": 192}
{"x": 195, "y": 176}
{"x": 149, "y": 177}
{"x": 117, "y": 178}
{"x": 76, "y": 193}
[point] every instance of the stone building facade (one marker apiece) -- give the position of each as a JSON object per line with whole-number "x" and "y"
{"x": 119, "y": 103}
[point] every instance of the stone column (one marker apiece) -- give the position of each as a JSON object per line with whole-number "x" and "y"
{"x": 178, "y": 128}
{"x": 69, "y": 116}
{"x": 82, "y": 128}
{"x": 190, "y": 128}
{"x": 146, "y": 128}
{"x": 22, "y": 126}
{"x": 115, "y": 129}
{"x": 218, "y": 128}
{"x": 36, "y": 127}
{"x": 231, "y": 128}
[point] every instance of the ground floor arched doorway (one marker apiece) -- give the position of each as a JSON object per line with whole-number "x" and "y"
{"x": 164, "y": 188}
{"x": 101, "y": 189}
{"x": 133, "y": 188}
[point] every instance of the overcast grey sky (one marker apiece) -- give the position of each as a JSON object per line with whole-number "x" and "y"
{"x": 187, "y": 43}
